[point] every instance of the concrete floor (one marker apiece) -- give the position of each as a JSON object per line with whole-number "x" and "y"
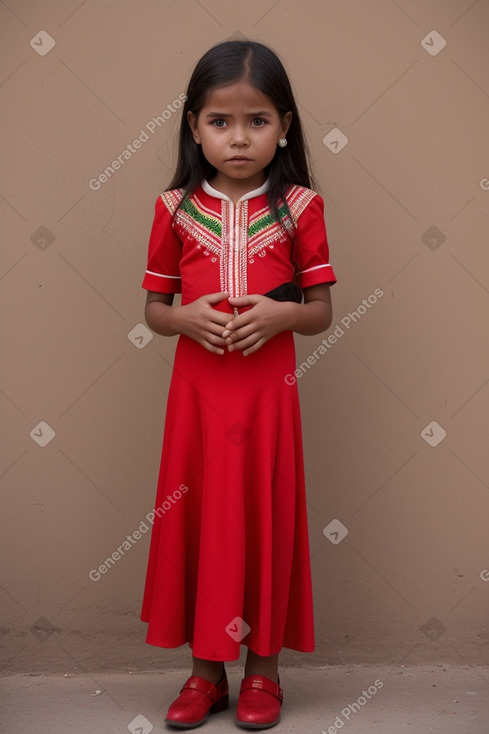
{"x": 443, "y": 699}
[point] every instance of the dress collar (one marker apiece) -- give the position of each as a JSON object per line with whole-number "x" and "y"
{"x": 219, "y": 195}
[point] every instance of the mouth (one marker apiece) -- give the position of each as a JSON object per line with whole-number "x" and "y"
{"x": 239, "y": 158}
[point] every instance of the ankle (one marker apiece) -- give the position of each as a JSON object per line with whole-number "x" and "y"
{"x": 260, "y": 665}
{"x": 211, "y": 670}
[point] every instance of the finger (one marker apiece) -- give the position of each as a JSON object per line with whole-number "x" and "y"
{"x": 237, "y": 322}
{"x": 213, "y": 298}
{"x": 213, "y": 349}
{"x": 216, "y": 339}
{"x": 240, "y": 333}
{"x": 232, "y": 327}
{"x": 253, "y": 346}
{"x": 214, "y": 315}
{"x": 219, "y": 320}
{"x": 217, "y": 346}
{"x": 249, "y": 300}
{"x": 245, "y": 342}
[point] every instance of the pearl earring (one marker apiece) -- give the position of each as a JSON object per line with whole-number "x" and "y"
{"x": 282, "y": 142}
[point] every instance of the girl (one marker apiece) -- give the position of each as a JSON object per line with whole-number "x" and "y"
{"x": 229, "y": 556}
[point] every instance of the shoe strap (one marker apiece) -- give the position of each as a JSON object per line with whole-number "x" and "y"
{"x": 259, "y": 682}
{"x": 196, "y": 683}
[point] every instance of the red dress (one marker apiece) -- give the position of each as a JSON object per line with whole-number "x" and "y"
{"x": 229, "y": 555}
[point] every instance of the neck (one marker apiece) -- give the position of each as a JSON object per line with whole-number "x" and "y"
{"x": 236, "y": 188}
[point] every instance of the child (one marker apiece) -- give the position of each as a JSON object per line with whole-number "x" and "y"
{"x": 229, "y": 556}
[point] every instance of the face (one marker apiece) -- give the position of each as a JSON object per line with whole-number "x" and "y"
{"x": 239, "y": 129}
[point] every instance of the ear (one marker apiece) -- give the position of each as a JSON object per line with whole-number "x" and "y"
{"x": 192, "y": 121}
{"x": 286, "y": 120}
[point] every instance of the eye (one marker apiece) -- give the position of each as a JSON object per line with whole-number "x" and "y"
{"x": 219, "y": 122}
{"x": 258, "y": 122}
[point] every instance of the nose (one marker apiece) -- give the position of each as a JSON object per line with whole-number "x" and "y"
{"x": 239, "y": 137}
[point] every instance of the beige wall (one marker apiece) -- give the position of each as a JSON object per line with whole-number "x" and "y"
{"x": 406, "y": 202}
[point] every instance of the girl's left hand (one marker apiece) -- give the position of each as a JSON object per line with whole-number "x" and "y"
{"x": 252, "y": 329}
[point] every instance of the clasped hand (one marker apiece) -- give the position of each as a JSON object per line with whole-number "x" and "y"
{"x": 247, "y": 332}
{"x": 250, "y": 330}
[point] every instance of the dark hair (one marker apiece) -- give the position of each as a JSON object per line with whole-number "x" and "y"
{"x": 221, "y": 66}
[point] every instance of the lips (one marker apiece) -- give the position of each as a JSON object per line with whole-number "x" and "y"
{"x": 239, "y": 158}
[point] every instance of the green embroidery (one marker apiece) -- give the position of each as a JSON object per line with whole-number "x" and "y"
{"x": 213, "y": 224}
{"x": 267, "y": 220}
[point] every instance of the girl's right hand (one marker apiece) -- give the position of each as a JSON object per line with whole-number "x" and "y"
{"x": 203, "y": 323}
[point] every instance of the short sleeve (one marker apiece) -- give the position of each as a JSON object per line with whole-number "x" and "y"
{"x": 164, "y": 253}
{"x": 311, "y": 251}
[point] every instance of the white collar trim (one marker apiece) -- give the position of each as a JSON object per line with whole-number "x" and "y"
{"x": 219, "y": 195}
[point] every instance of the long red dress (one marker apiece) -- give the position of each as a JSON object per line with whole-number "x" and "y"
{"x": 229, "y": 555}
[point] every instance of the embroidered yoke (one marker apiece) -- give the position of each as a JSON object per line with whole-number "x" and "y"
{"x": 235, "y": 235}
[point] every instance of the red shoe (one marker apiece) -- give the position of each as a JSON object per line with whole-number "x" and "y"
{"x": 198, "y": 698}
{"x": 259, "y": 703}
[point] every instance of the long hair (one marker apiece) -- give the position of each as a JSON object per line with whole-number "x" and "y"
{"x": 221, "y": 66}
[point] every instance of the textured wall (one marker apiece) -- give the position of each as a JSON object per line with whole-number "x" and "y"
{"x": 395, "y": 100}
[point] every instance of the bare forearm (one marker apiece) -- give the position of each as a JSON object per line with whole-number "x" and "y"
{"x": 310, "y": 318}
{"x": 162, "y": 318}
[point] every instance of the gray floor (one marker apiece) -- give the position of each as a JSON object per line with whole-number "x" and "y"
{"x": 368, "y": 699}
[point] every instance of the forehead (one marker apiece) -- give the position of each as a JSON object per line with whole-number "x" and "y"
{"x": 238, "y": 97}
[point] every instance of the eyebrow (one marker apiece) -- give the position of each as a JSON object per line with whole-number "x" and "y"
{"x": 261, "y": 113}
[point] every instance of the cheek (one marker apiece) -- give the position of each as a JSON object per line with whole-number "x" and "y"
{"x": 208, "y": 142}
{"x": 272, "y": 138}
{"x": 216, "y": 141}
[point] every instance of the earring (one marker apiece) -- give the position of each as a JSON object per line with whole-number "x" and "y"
{"x": 282, "y": 142}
